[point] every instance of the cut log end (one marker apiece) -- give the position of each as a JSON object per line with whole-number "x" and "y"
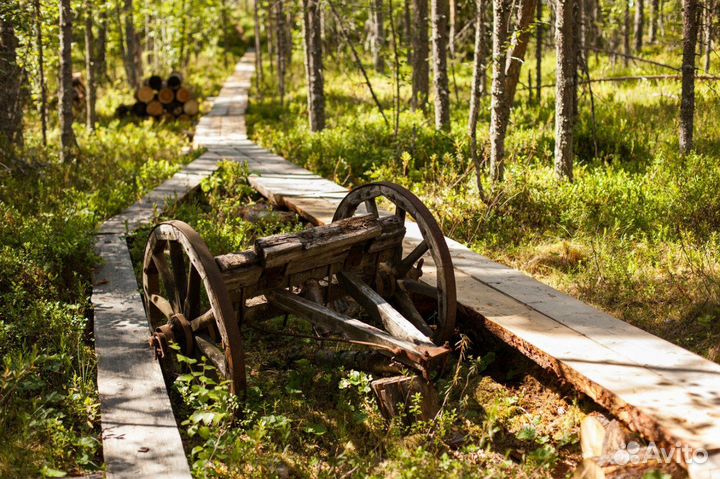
{"x": 155, "y": 108}
{"x": 183, "y": 94}
{"x": 166, "y": 96}
{"x": 145, "y": 94}
{"x": 191, "y": 107}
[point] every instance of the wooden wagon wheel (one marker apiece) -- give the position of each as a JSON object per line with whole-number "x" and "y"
{"x": 187, "y": 301}
{"x": 433, "y": 240}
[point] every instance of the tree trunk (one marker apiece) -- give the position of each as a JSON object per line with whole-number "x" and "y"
{"x": 477, "y": 88}
{"x": 258, "y": 46}
{"x": 626, "y": 34}
{"x": 90, "y": 67}
{"x": 440, "y": 72}
{"x": 451, "y": 25}
{"x": 131, "y": 48}
{"x": 564, "y": 103}
{"x": 289, "y": 27}
{"x": 499, "y": 109}
{"x": 378, "y": 38}
{"x": 687, "y": 103}
{"x": 314, "y": 64}
{"x": 281, "y": 45}
{"x": 639, "y": 24}
{"x": 65, "y": 91}
{"x": 270, "y": 29}
{"x": 578, "y": 43}
{"x": 101, "y": 53}
{"x": 654, "y": 12}
{"x": 11, "y": 111}
{"x": 538, "y": 51}
{"x": 509, "y": 60}
{"x": 518, "y": 48}
{"x": 421, "y": 70}
{"x": 41, "y": 70}
{"x": 407, "y": 28}
{"x": 708, "y": 32}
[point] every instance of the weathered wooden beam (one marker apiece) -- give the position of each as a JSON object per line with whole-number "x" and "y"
{"x": 377, "y": 307}
{"x": 331, "y": 320}
{"x": 280, "y": 249}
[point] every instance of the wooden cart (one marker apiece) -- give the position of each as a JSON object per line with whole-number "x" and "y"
{"x": 201, "y": 302}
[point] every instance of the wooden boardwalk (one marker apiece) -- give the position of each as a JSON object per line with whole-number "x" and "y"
{"x": 661, "y": 390}
{"x": 139, "y": 432}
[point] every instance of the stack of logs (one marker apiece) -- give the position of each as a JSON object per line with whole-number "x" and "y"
{"x": 168, "y": 100}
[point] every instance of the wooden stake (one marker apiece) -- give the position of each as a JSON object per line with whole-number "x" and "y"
{"x": 401, "y": 390}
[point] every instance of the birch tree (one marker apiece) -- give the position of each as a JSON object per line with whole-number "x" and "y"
{"x": 439, "y": 20}
{"x": 314, "y": 64}
{"x": 65, "y": 91}
{"x": 421, "y": 69}
{"x": 687, "y": 102}
{"x": 11, "y": 112}
{"x": 498, "y": 112}
{"x": 507, "y": 62}
{"x": 478, "y": 86}
{"x": 565, "y": 87}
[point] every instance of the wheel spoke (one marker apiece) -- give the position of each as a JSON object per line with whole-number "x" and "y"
{"x": 177, "y": 259}
{"x": 203, "y": 321}
{"x": 167, "y": 279}
{"x": 405, "y": 305}
{"x": 371, "y": 206}
{"x": 418, "y": 287}
{"x": 407, "y": 263}
{"x": 400, "y": 213}
{"x": 191, "y": 307}
{"x": 163, "y": 305}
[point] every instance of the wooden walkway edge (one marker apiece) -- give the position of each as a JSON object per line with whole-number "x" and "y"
{"x": 139, "y": 432}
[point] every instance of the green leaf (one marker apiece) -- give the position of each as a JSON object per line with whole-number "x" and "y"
{"x": 50, "y": 472}
{"x": 317, "y": 429}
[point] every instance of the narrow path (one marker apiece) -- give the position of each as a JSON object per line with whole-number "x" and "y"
{"x": 139, "y": 432}
{"x": 661, "y": 390}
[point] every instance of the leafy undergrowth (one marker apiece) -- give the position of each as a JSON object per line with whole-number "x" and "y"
{"x": 49, "y": 410}
{"x": 635, "y": 234}
{"x": 302, "y": 419}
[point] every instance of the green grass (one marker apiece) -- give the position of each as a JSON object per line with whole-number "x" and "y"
{"x": 636, "y": 234}
{"x": 49, "y": 409}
